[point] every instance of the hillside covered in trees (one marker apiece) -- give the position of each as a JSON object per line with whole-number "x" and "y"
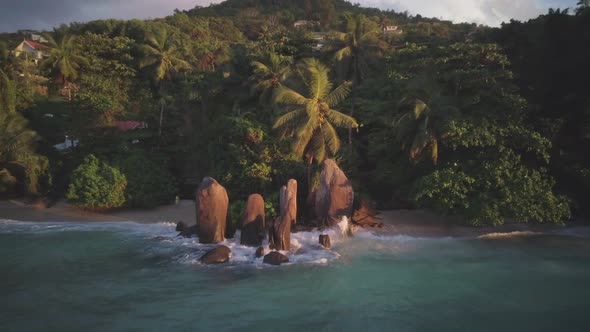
{"x": 487, "y": 124}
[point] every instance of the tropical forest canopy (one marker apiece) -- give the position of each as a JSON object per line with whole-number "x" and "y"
{"x": 486, "y": 124}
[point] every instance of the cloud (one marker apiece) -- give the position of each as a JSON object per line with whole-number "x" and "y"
{"x": 489, "y": 12}
{"x": 45, "y": 14}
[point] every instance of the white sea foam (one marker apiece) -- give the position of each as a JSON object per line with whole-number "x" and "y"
{"x": 505, "y": 235}
{"x": 162, "y": 241}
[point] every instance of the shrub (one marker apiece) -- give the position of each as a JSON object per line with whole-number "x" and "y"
{"x": 149, "y": 181}
{"x": 7, "y": 181}
{"x": 96, "y": 185}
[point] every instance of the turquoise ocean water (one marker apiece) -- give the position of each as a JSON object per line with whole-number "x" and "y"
{"x": 140, "y": 277}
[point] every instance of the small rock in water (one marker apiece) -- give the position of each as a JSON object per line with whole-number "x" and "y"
{"x": 275, "y": 258}
{"x": 218, "y": 255}
{"x": 260, "y": 252}
{"x": 186, "y": 230}
{"x": 325, "y": 241}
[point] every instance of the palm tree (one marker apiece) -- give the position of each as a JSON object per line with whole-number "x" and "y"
{"x": 583, "y": 5}
{"x": 352, "y": 50}
{"x": 17, "y": 141}
{"x": 3, "y": 54}
{"x": 268, "y": 75}
{"x": 64, "y": 56}
{"x": 162, "y": 55}
{"x": 420, "y": 125}
{"x": 311, "y": 119}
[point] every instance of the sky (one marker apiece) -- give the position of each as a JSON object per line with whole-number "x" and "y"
{"x": 45, "y": 14}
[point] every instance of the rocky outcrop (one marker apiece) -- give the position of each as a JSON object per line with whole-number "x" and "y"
{"x": 218, "y": 255}
{"x": 260, "y": 251}
{"x": 334, "y": 197}
{"x": 185, "y": 230}
{"x": 288, "y": 201}
{"x": 212, "y": 204}
{"x": 325, "y": 241}
{"x": 280, "y": 231}
{"x": 365, "y": 214}
{"x": 253, "y": 221}
{"x": 275, "y": 258}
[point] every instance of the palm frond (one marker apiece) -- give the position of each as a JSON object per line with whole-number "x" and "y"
{"x": 303, "y": 136}
{"x": 286, "y": 95}
{"x": 330, "y": 137}
{"x": 339, "y": 94}
{"x": 319, "y": 84}
{"x": 341, "y": 120}
{"x": 285, "y": 119}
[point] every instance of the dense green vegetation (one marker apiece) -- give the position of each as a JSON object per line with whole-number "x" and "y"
{"x": 487, "y": 124}
{"x": 96, "y": 185}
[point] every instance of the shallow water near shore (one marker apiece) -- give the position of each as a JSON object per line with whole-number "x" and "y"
{"x": 129, "y": 276}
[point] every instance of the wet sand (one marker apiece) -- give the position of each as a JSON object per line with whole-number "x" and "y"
{"x": 62, "y": 211}
{"x": 417, "y": 223}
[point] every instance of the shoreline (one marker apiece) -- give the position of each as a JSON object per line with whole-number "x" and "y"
{"x": 64, "y": 212}
{"x": 418, "y": 223}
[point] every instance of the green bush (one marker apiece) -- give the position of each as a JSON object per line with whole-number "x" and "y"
{"x": 96, "y": 185}
{"x": 7, "y": 181}
{"x": 149, "y": 181}
{"x": 492, "y": 192}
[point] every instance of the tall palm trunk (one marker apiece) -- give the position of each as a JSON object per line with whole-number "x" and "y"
{"x": 352, "y": 100}
{"x": 309, "y": 164}
{"x": 161, "y": 117}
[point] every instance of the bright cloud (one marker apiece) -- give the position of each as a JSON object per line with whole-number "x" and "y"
{"x": 489, "y": 12}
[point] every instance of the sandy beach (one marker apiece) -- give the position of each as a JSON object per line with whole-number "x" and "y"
{"x": 418, "y": 223}
{"x": 62, "y": 211}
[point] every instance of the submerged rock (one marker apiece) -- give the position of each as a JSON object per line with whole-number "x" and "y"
{"x": 280, "y": 231}
{"x": 253, "y": 221}
{"x": 218, "y": 255}
{"x": 186, "y": 230}
{"x": 212, "y": 204}
{"x": 275, "y": 258}
{"x": 260, "y": 252}
{"x": 325, "y": 241}
{"x": 334, "y": 197}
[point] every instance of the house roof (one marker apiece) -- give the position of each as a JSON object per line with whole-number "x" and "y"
{"x": 130, "y": 125}
{"x": 35, "y": 45}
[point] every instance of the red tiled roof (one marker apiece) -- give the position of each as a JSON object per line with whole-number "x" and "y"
{"x": 35, "y": 45}
{"x": 129, "y": 125}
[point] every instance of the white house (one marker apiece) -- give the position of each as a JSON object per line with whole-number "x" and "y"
{"x": 38, "y": 38}
{"x": 31, "y": 48}
{"x": 67, "y": 144}
{"x": 393, "y": 29}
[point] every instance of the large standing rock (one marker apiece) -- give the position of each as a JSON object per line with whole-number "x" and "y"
{"x": 334, "y": 197}
{"x": 212, "y": 206}
{"x": 218, "y": 255}
{"x": 253, "y": 221}
{"x": 288, "y": 201}
{"x": 280, "y": 232}
{"x": 275, "y": 258}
